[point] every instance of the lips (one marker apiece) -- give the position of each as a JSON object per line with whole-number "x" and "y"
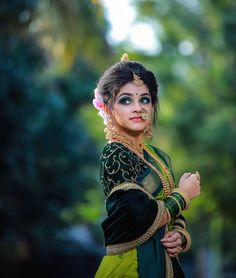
{"x": 136, "y": 119}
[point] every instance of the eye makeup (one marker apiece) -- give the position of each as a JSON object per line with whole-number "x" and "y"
{"x": 127, "y": 98}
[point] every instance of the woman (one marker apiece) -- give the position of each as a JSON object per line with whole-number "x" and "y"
{"x": 144, "y": 229}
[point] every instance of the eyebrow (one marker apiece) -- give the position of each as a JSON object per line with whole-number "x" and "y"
{"x": 129, "y": 94}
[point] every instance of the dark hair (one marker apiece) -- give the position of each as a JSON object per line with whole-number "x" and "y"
{"x": 121, "y": 73}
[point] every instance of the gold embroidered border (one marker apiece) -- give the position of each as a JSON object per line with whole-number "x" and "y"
{"x": 130, "y": 185}
{"x": 114, "y": 249}
{"x": 180, "y": 222}
{"x": 169, "y": 267}
{"x": 187, "y": 236}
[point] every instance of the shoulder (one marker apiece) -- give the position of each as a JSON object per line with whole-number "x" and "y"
{"x": 117, "y": 152}
{"x": 118, "y": 165}
{"x": 113, "y": 148}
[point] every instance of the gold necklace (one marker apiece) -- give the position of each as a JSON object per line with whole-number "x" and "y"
{"x": 164, "y": 174}
{"x": 170, "y": 180}
{"x": 128, "y": 141}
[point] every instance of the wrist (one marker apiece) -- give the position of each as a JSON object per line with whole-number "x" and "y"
{"x": 175, "y": 203}
{"x": 184, "y": 195}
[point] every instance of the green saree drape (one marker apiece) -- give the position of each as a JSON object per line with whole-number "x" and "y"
{"x": 135, "y": 206}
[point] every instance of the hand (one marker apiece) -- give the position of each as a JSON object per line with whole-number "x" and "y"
{"x": 190, "y": 183}
{"x": 172, "y": 241}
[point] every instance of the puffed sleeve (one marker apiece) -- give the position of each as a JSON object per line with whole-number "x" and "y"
{"x": 119, "y": 165}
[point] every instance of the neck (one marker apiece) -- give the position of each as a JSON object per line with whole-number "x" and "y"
{"x": 132, "y": 140}
{"x": 135, "y": 136}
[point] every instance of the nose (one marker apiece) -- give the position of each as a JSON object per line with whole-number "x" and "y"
{"x": 137, "y": 106}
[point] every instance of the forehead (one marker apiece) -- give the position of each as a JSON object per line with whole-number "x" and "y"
{"x": 131, "y": 88}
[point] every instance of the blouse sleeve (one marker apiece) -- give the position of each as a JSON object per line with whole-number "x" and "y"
{"x": 119, "y": 165}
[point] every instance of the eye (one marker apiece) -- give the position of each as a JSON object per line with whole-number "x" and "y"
{"x": 125, "y": 100}
{"x": 145, "y": 100}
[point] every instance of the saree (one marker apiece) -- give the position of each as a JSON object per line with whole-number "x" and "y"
{"x": 135, "y": 207}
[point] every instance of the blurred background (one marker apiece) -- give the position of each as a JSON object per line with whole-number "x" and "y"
{"x": 52, "y": 53}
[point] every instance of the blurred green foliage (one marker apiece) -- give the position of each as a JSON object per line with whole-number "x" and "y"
{"x": 48, "y": 160}
{"x": 197, "y": 123}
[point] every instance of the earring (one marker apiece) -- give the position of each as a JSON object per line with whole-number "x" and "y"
{"x": 148, "y": 131}
{"x": 111, "y": 127}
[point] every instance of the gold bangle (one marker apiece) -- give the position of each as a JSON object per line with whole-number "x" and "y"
{"x": 176, "y": 201}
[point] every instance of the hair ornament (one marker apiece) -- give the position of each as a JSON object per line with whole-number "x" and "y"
{"x": 124, "y": 57}
{"x": 137, "y": 80}
{"x": 99, "y": 105}
{"x": 97, "y": 101}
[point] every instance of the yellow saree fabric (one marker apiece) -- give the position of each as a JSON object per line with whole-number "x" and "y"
{"x": 124, "y": 265}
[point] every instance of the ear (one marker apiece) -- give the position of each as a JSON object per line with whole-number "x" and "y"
{"x": 106, "y": 109}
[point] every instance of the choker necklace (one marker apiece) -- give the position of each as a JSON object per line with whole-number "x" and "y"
{"x": 128, "y": 142}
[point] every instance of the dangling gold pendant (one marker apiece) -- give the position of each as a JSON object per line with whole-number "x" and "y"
{"x": 137, "y": 81}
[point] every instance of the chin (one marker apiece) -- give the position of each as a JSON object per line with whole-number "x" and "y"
{"x": 134, "y": 132}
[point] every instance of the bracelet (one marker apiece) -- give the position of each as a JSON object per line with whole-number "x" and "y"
{"x": 175, "y": 203}
{"x": 172, "y": 206}
{"x": 184, "y": 195}
{"x": 179, "y": 198}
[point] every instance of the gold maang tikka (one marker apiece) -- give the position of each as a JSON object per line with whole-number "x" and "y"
{"x": 137, "y": 81}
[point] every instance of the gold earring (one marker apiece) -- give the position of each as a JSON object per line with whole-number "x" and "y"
{"x": 148, "y": 131}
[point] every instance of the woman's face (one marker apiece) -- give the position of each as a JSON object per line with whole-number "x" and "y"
{"x": 128, "y": 106}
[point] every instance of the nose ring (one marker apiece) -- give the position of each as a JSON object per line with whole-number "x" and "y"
{"x": 144, "y": 114}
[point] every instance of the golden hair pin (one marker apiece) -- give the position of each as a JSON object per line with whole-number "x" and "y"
{"x": 124, "y": 57}
{"x": 137, "y": 80}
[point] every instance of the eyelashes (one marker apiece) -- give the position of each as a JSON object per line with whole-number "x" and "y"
{"x": 145, "y": 100}
{"x": 129, "y": 100}
{"x": 125, "y": 100}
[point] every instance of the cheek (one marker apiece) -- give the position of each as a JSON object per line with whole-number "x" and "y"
{"x": 120, "y": 110}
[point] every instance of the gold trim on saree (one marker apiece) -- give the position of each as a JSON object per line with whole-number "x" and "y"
{"x": 130, "y": 185}
{"x": 169, "y": 266}
{"x": 114, "y": 249}
{"x": 179, "y": 223}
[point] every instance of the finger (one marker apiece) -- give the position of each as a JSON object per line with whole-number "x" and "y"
{"x": 186, "y": 175}
{"x": 174, "y": 251}
{"x": 171, "y": 250}
{"x": 172, "y": 244}
{"x": 167, "y": 236}
{"x": 171, "y": 237}
{"x": 198, "y": 175}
